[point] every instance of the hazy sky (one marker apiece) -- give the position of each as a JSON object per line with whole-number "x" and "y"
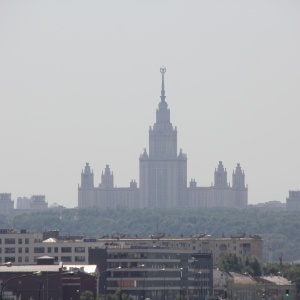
{"x": 80, "y": 82}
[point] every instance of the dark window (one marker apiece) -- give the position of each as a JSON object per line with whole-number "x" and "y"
{"x": 39, "y": 250}
{"x": 79, "y": 249}
{"x": 9, "y": 241}
{"x": 66, "y": 258}
{"x": 10, "y": 259}
{"x": 66, "y": 249}
{"x": 79, "y": 259}
{"x": 10, "y": 250}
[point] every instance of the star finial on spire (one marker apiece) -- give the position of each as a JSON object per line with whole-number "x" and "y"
{"x": 163, "y": 96}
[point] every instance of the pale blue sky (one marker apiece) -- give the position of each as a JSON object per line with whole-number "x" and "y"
{"x": 80, "y": 82}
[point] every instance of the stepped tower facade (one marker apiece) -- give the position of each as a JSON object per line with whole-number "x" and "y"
{"x": 163, "y": 172}
{"x": 163, "y": 176}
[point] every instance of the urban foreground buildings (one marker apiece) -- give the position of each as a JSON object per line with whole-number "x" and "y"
{"x": 163, "y": 176}
{"x": 46, "y": 280}
{"x": 23, "y": 247}
{"x": 49, "y": 266}
{"x": 155, "y": 267}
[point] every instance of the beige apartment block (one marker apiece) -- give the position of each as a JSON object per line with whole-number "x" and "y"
{"x": 22, "y": 247}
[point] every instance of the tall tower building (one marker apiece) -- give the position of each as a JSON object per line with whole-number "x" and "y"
{"x": 163, "y": 172}
{"x": 163, "y": 176}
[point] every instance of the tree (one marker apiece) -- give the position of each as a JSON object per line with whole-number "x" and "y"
{"x": 117, "y": 296}
{"x": 87, "y": 295}
{"x": 231, "y": 263}
{"x": 271, "y": 269}
{"x": 252, "y": 266}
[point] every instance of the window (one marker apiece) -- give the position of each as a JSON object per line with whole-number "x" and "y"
{"x": 26, "y": 250}
{"x": 9, "y": 241}
{"x": 79, "y": 249}
{"x": 39, "y": 250}
{"x": 26, "y": 259}
{"x": 26, "y": 240}
{"x": 19, "y": 259}
{"x": 55, "y": 249}
{"x": 79, "y": 259}
{"x": 66, "y": 249}
{"x": 10, "y": 250}
{"x": 0, "y": 241}
{"x": 10, "y": 259}
{"x": 20, "y": 241}
{"x": 66, "y": 258}
{"x": 19, "y": 250}
{"x": 49, "y": 249}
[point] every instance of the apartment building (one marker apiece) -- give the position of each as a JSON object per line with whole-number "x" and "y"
{"x": 22, "y": 247}
{"x": 6, "y": 204}
{"x": 293, "y": 201}
{"x": 158, "y": 272}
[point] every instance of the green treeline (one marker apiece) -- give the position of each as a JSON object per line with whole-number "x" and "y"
{"x": 280, "y": 230}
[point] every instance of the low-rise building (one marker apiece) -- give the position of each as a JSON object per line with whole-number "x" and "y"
{"x": 244, "y": 287}
{"x": 46, "y": 280}
{"x": 271, "y": 206}
{"x": 24, "y": 247}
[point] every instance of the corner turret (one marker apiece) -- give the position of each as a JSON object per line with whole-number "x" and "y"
{"x": 107, "y": 179}
{"x": 87, "y": 177}
{"x": 238, "y": 178}
{"x": 220, "y": 176}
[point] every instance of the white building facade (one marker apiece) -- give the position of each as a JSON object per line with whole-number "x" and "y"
{"x": 163, "y": 176}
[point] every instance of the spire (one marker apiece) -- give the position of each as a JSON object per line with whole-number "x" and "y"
{"x": 163, "y": 97}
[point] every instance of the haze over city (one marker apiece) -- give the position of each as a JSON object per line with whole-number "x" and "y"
{"x": 80, "y": 82}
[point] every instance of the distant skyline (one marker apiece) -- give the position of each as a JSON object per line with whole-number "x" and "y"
{"x": 80, "y": 82}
